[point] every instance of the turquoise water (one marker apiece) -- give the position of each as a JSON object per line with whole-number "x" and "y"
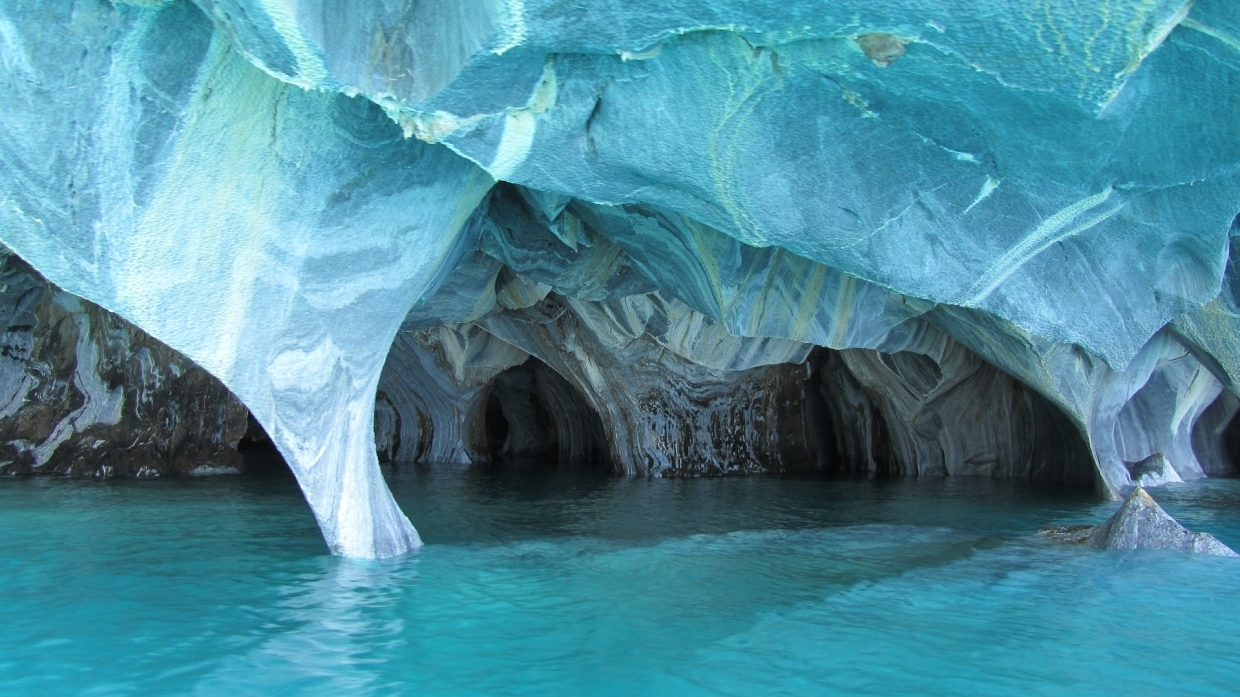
{"x": 543, "y": 583}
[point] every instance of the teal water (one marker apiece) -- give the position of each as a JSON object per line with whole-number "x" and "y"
{"x": 542, "y": 583}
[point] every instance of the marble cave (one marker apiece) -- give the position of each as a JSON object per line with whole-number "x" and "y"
{"x": 688, "y": 239}
{"x": 710, "y": 346}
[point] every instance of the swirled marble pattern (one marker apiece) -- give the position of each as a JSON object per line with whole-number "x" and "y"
{"x": 1031, "y": 200}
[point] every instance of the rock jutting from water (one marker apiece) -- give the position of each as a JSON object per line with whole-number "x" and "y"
{"x": 1142, "y": 524}
{"x": 925, "y": 237}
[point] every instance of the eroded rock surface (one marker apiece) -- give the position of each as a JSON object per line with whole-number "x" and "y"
{"x": 84, "y": 392}
{"x": 1153, "y": 471}
{"x": 936, "y": 408}
{"x": 1142, "y": 524}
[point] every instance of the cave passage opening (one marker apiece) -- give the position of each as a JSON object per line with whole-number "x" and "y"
{"x": 911, "y": 414}
{"x": 259, "y": 455}
{"x": 1216, "y": 436}
{"x": 534, "y": 415}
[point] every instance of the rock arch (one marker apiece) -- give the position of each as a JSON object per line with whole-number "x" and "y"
{"x": 534, "y": 413}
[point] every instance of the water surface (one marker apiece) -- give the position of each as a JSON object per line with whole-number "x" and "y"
{"x": 546, "y": 582}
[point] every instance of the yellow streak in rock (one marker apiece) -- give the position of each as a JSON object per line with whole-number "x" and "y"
{"x": 1139, "y": 45}
{"x": 520, "y": 125}
{"x": 205, "y": 250}
{"x": 513, "y": 23}
{"x": 759, "y": 308}
{"x": 702, "y": 250}
{"x": 809, "y": 304}
{"x": 1051, "y": 22}
{"x": 843, "y": 310}
{"x": 744, "y": 95}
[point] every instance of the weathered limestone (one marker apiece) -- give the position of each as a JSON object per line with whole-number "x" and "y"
{"x": 767, "y": 119}
{"x": 675, "y": 397}
{"x": 1120, "y": 419}
{"x": 1124, "y": 416}
{"x": 1216, "y": 437}
{"x": 932, "y": 408}
{"x": 938, "y": 409}
{"x": 435, "y": 384}
{"x": 533, "y": 413}
{"x": 274, "y": 236}
{"x": 913, "y": 401}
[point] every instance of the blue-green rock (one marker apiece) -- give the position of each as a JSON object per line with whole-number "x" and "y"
{"x": 707, "y": 189}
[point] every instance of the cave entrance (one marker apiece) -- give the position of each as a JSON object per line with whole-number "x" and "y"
{"x": 259, "y": 454}
{"x": 533, "y": 414}
{"x": 947, "y": 414}
{"x": 1216, "y": 437}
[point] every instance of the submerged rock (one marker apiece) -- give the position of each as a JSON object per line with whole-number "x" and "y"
{"x": 1070, "y": 534}
{"x": 1142, "y": 524}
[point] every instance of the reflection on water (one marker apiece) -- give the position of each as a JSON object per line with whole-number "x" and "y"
{"x": 463, "y": 504}
{"x": 538, "y": 581}
{"x": 328, "y": 625}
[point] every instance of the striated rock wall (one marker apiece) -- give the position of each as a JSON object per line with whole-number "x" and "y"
{"x": 945, "y": 412}
{"x": 533, "y": 413}
{"x": 1216, "y": 437}
{"x": 677, "y": 398}
{"x": 664, "y": 413}
{"x": 84, "y": 392}
{"x": 916, "y": 388}
{"x": 435, "y": 386}
{"x": 600, "y": 387}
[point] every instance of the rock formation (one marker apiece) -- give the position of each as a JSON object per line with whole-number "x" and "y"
{"x": 916, "y": 237}
{"x": 1153, "y": 471}
{"x": 86, "y": 393}
{"x": 938, "y": 409}
{"x": 1142, "y": 524}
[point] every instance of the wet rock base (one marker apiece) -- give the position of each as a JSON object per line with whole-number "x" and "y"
{"x": 1139, "y": 524}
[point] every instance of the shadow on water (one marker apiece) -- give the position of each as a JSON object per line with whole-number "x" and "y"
{"x": 453, "y": 504}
